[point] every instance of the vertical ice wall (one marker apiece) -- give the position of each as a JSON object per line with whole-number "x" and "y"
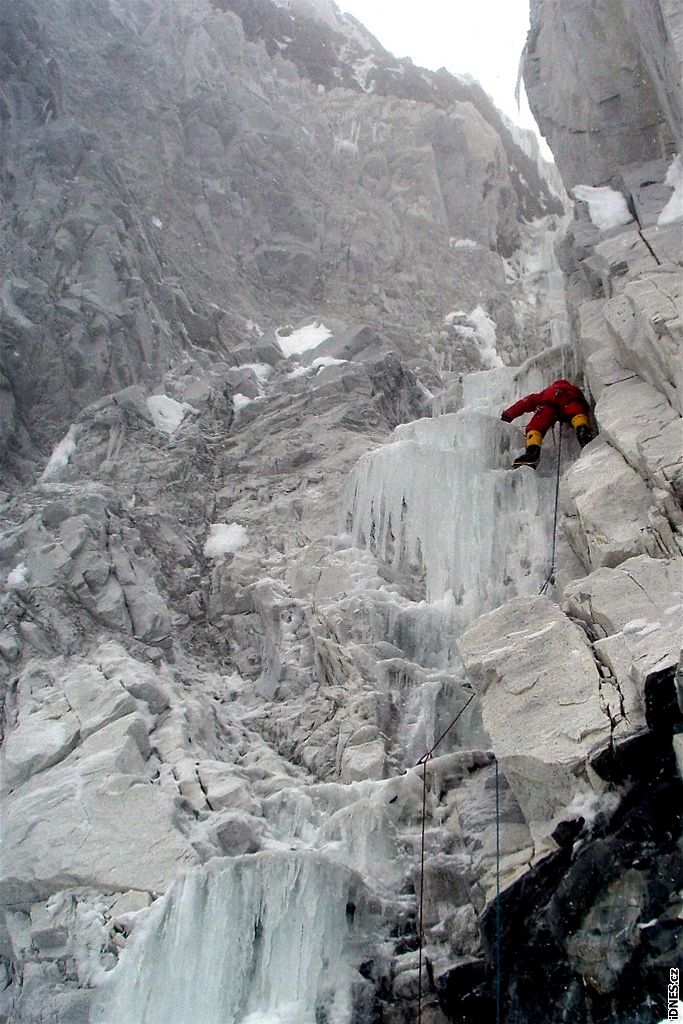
{"x": 256, "y": 939}
{"x": 441, "y": 498}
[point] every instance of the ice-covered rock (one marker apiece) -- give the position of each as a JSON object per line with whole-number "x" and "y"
{"x": 440, "y": 492}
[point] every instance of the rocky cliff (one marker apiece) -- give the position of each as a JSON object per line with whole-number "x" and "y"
{"x": 604, "y": 82}
{"x": 171, "y": 175}
{"x": 269, "y": 289}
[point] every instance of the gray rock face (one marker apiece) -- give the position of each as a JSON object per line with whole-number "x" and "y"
{"x": 603, "y": 80}
{"x": 293, "y": 194}
{"x": 8, "y": 421}
{"x": 81, "y": 730}
{"x": 544, "y": 704}
{"x": 614, "y": 643}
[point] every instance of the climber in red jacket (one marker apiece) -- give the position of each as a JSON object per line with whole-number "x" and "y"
{"x": 560, "y": 401}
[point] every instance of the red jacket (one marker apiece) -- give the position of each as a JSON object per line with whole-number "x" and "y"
{"x": 564, "y": 398}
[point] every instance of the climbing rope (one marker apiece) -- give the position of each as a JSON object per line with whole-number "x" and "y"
{"x": 420, "y": 925}
{"x": 550, "y": 578}
{"x": 498, "y": 932}
{"x": 427, "y": 756}
{"x": 430, "y": 753}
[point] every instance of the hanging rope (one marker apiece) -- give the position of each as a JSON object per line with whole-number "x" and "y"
{"x": 498, "y": 931}
{"x": 420, "y": 924}
{"x": 550, "y": 579}
{"x": 427, "y": 756}
{"x": 430, "y": 753}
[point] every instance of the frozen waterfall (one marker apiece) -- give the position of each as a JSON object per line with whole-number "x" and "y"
{"x": 440, "y": 499}
{"x": 277, "y": 937}
{"x": 261, "y": 939}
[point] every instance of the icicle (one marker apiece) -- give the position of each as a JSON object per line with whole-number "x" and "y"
{"x": 439, "y": 499}
{"x": 254, "y": 940}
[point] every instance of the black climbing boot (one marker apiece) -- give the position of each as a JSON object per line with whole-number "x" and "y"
{"x": 584, "y": 435}
{"x": 530, "y": 457}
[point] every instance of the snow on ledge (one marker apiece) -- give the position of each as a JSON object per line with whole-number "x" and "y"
{"x": 318, "y": 364}
{"x": 464, "y": 243}
{"x": 240, "y": 401}
{"x": 59, "y": 459}
{"x": 18, "y": 577}
{"x": 606, "y": 208}
{"x": 303, "y": 339}
{"x": 673, "y": 211}
{"x": 166, "y": 413}
{"x": 225, "y": 539}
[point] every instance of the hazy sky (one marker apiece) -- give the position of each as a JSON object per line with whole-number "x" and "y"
{"x": 483, "y": 38}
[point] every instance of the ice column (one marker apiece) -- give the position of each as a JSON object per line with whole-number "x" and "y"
{"x": 440, "y": 498}
{"x": 253, "y": 940}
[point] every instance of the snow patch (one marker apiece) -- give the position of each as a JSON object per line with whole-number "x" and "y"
{"x": 225, "y": 539}
{"x": 673, "y": 210}
{"x": 485, "y": 337}
{"x": 606, "y": 208}
{"x": 303, "y": 339}
{"x": 239, "y": 401}
{"x": 59, "y": 459}
{"x": 18, "y": 578}
{"x": 157, "y": 223}
{"x": 317, "y": 364}
{"x": 463, "y": 243}
{"x": 588, "y": 805}
{"x": 322, "y": 361}
{"x": 166, "y": 413}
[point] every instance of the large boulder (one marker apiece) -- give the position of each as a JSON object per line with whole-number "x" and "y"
{"x": 544, "y": 704}
{"x": 636, "y": 611}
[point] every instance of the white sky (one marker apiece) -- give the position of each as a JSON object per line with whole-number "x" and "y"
{"x": 482, "y": 38}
